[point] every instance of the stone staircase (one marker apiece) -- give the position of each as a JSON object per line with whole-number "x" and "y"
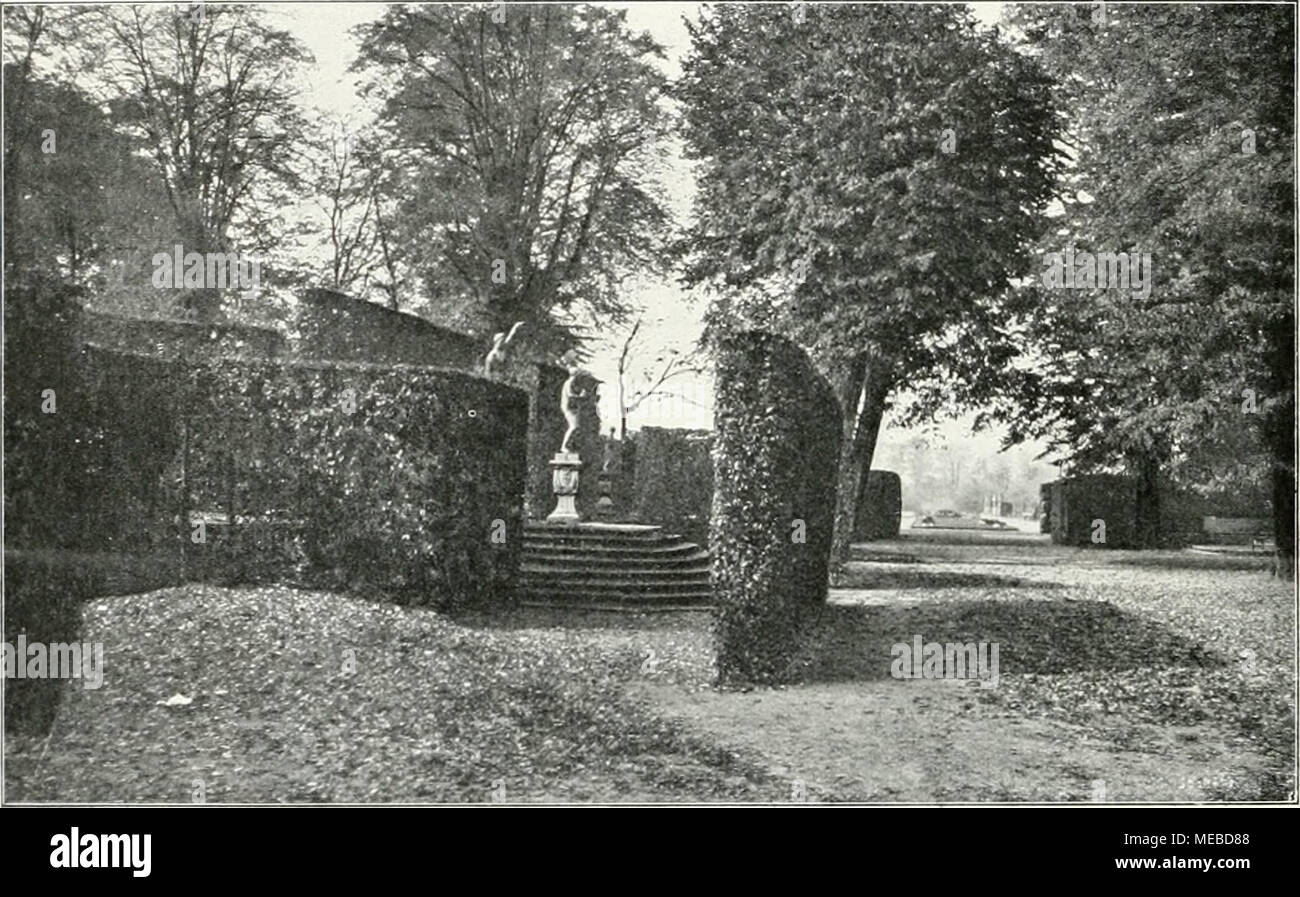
{"x": 612, "y": 566}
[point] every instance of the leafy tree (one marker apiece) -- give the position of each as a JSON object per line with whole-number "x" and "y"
{"x": 1181, "y": 125}
{"x": 343, "y": 185}
{"x": 870, "y": 177}
{"x": 524, "y": 140}
{"x": 38, "y": 44}
{"x": 209, "y": 87}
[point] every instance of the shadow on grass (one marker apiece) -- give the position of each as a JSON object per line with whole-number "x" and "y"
{"x": 877, "y": 577}
{"x": 855, "y": 643}
{"x": 1189, "y": 560}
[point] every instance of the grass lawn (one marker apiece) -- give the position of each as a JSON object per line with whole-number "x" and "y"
{"x": 1162, "y": 676}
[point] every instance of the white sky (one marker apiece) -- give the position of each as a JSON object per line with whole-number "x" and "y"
{"x": 673, "y": 318}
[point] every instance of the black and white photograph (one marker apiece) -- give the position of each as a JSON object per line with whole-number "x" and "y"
{"x": 641, "y": 404}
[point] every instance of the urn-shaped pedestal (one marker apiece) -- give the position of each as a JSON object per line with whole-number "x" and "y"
{"x": 566, "y": 467}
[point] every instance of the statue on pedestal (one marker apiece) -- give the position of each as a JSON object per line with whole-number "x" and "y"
{"x": 570, "y": 398}
{"x": 566, "y": 466}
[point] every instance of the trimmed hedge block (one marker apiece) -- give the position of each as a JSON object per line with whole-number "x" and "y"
{"x": 405, "y": 479}
{"x": 775, "y": 454}
{"x": 43, "y": 595}
{"x": 880, "y": 508}
{"x": 330, "y": 325}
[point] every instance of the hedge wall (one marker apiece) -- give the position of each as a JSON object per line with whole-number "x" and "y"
{"x": 336, "y": 326}
{"x": 172, "y": 338}
{"x": 328, "y": 474}
{"x": 43, "y": 595}
{"x": 395, "y": 478}
{"x": 88, "y": 474}
{"x": 775, "y": 454}
{"x": 673, "y": 480}
{"x": 40, "y": 353}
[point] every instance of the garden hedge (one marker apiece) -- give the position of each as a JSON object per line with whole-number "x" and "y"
{"x": 87, "y": 471}
{"x": 402, "y": 478}
{"x": 43, "y": 595}
{"x": 338, "y": 327}
{"x": 673, "y": 480}
{"x": 880, "y": 508}
{"x": 775, "y": 454}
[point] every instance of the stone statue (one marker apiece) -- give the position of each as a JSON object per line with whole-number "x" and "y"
{"x": 607, "y": 463}
{"x": 571, "y": 397}
{"x": 498, "y": 352}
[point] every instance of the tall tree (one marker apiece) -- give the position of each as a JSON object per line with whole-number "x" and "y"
{"x": 870, "y": 178}
{"x": 344, "y": 190}
{"x": 1182, "y": 128}
{"x": 525, "y": 139}
{"x": 39, "y": 42}
{"x": 211, "y": 89}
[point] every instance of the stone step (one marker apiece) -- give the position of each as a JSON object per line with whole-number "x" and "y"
{"x": 683, "y": 554}
{"x": 628, "y": 585}
{"x": 596, "y": 604}
{"x": 540, "y": 562}
{"x": 536, "y": 571}
{"x": 612, "y": 565}
{"x": 664, "y": 550}
{"x": 598, "y": 532}
{"x": 629, "y": 599}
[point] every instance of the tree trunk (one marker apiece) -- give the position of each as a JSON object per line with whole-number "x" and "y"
{"x": 863, "y": 391}
{"x": 1279, "y": 435}
{"x": 1147, "y": 510}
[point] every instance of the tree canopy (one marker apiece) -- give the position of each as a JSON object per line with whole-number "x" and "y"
{"x": 522, "y": 142}
{"x": 870, "y": 180}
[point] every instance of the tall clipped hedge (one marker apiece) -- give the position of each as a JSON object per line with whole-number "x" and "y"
{"x": 403, "y": 478}
{"x": 40, "y": 353}
{"x": 775, "y": 453}
{"x": 44, "y": 594}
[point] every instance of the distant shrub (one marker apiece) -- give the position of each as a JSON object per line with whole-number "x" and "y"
{"x": 674, "y": 480}
{"x": 881, "y": 507}
{"x": 43, "y": 594}
{"x": 775, "y": 453}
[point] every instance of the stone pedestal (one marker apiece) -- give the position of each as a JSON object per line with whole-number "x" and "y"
{"x": 566, "y": 467}
{"x": 605, "y": 509}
